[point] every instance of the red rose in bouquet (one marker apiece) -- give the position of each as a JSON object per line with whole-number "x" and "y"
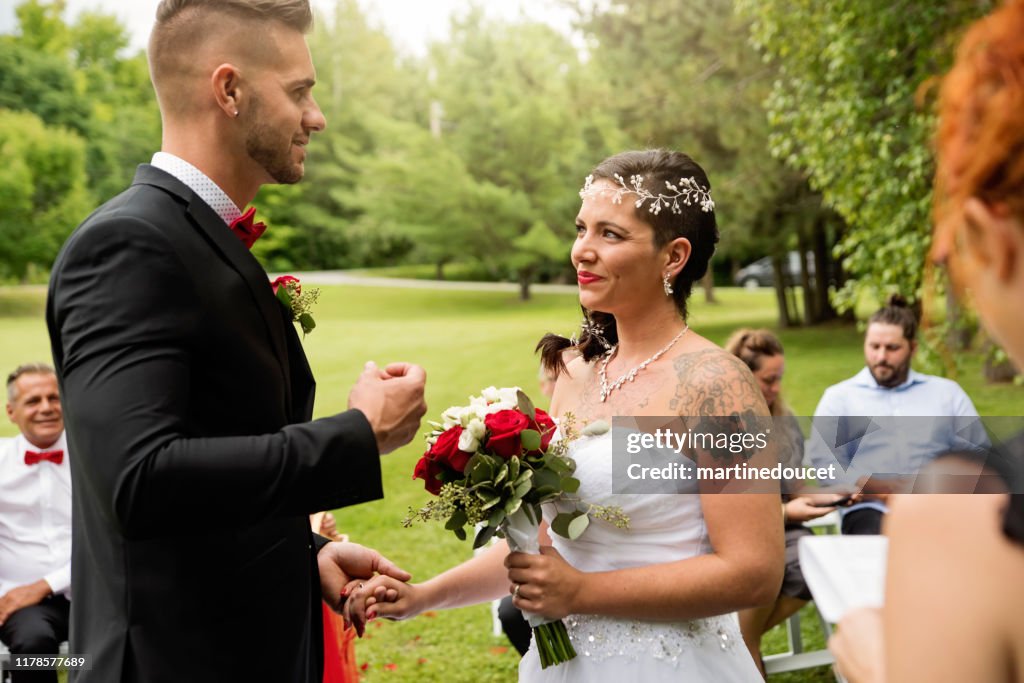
{"x": 506, "y": 428}
{"x": 428, "y": 470}
{"x": 446, "y": 450}
{"x": 545, "y": 425}
{"x": 444, "y": 455}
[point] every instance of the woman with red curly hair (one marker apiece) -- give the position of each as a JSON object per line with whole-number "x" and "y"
{"x": 954, "y": 594}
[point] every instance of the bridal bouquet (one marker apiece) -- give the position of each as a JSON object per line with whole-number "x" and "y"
{"x": 491, "y": 465}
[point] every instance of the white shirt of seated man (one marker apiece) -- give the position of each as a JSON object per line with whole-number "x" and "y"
{"x": 35, "y": 497}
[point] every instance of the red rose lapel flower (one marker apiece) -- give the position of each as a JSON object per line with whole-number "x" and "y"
{"x": 288, "y": 291}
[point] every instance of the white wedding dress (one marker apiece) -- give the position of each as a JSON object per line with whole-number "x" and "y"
{"x": 662, "y": 528}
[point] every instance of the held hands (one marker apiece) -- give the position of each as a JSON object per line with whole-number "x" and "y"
{"x": 392, "y": 400}
{"x": 342, "y": 563}
{"x": 22, "y": 596}
{"x": 544, "y": 584}
{"x": 382, "y": 596}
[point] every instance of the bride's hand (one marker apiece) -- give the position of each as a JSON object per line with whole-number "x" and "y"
{"x": 382, "y": 596}
{"x": 547, "y": 584}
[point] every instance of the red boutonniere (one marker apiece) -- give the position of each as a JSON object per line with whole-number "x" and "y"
{"x": 289, "y": 292}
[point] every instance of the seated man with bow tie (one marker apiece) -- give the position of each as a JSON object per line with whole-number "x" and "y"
{"x": 35, "y": 520}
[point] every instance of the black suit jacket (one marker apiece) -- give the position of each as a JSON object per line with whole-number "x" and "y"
{"x": 187, "y": 399}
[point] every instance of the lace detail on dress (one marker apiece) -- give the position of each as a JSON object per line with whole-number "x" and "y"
{"x": 600, "y": 637}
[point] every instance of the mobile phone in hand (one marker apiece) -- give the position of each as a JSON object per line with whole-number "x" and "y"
{"x": 835, "y": 503}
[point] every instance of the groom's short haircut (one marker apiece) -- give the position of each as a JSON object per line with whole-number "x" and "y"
{"x": 184, "y": 27}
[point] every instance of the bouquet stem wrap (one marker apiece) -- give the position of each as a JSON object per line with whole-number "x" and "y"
{"x": 550, "y": 636}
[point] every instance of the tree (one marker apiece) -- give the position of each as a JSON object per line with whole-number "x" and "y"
{"x": 315, "y": 224}
{"x": 678, "y": 77}
{"x": 843, "y": 110}
{"x": 75, "y": 76}
{"x": 42, "y": 189}
{"x": 514, "y": 100}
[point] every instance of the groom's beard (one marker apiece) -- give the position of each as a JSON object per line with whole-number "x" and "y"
{"x": 269, "y": 148}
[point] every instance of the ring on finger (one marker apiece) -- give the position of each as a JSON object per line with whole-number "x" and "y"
{"x": 515, "y": 591}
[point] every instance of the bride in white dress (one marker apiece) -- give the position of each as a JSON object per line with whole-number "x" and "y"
{"x": 655, "y": 601}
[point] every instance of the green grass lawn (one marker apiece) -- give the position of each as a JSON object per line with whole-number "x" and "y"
{"x": 467, "y": 340}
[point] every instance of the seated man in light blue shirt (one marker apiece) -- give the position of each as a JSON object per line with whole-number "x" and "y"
{"x": 888, "y": 419}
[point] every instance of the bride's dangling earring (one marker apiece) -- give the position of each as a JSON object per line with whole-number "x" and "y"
{"x": 667, "y": 285}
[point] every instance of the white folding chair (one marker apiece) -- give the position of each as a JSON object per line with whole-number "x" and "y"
{"x": 795, "y": 658}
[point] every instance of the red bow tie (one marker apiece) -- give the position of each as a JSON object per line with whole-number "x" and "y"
{"x": 245, "y": 229}
{"x": 33, "y": 458}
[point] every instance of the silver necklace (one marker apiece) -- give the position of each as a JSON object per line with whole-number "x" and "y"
{"x": 607, "y": 389}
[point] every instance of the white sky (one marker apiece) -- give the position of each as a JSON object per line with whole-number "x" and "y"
{"x": 411, "y": 23}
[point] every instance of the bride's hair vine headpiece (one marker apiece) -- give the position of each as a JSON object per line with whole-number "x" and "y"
{"x": 689, "y": 191}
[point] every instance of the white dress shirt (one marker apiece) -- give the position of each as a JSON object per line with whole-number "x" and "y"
{"x": 35, "y": 517}
{"x": 910, "y": 425}
{"x": 200, "y": 183}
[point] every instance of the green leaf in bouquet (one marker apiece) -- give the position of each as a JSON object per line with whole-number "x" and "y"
{"x": 524, "y": 488}
{"x": 559, "y": 465}
{"x": 530, "y": 438}
{"x": 560, "y": 524}
{"x": 570, "y": 484}
{"x": 501, "y": 474}
{"x": 284, "y": 296}
{"x": 483, "y": 536}
{"x": 525, "y": 475}
{"x": 546, "y": 477}
{"x": 488, "y": 497}
{"x": 532, "y": 513}
{"x": 534, "y": 460}
{"x": 307, "y": 323}
{"x": 570, "y": 524}
{"x": 578, "y": 526}
{"x": 514, "y": 466}
{"x": 595, "y": 428}
{"x": 481, "y": 470}
{"x": 497, "y": 515}
{"x": 526, "y": 405}
{"x": 460, "y": 533}
{"x": 512, "y": 505}
{"x": 456, "y": 521}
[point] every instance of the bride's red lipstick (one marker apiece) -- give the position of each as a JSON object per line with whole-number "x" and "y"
{"x": 585, "y": 278}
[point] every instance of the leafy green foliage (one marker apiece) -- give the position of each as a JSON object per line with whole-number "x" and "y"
{"x": 42, "y": 190}
{"x": 844, "y": 110}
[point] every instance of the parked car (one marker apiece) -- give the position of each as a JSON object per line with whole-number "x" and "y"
{"x": 761, "y": 274}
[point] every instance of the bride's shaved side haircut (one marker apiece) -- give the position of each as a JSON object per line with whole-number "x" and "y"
{"x": 182, "y": 26}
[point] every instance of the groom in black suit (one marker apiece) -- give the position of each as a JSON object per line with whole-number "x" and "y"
{"x": 187, "y": 394}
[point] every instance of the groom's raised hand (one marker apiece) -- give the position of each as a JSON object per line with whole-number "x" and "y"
{"x": 392, "y": 401}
